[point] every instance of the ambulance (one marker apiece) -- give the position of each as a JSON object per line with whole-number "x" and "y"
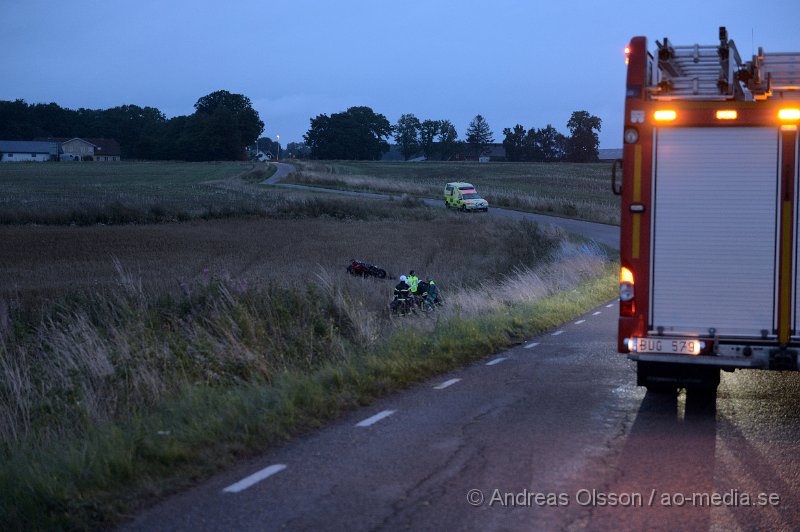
{"x": 463, "y": 196}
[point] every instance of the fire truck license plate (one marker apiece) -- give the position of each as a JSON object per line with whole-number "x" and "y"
{"x": 678, "y": 346}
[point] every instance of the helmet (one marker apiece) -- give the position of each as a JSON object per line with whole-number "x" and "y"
{"x": 403, "y": 278}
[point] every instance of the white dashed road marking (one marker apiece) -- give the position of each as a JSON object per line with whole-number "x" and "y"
{"x": 531, "y": 345}
{"x": 254, "y": 478}
{"x": 609, "y": 306}
{"x": 374, "y": 419}
{"x": 557, "y": 333}
{"x": 579, "y": 322}
{"x": 597, "y": 313}
{"x": 496, "y": 361}
{"x": 445, "y": 384}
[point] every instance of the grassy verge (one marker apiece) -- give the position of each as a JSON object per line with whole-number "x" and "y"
{"x": 259, "y": 174}
{"x": 98, "y": 477}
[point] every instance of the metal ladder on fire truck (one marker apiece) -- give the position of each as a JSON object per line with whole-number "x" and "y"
{"x": 717, "y": 72}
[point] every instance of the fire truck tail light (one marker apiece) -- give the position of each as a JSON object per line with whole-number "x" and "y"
{"x": 789, "y": 114}
{"x": 726, "y": 114}
{"x": 626, "y": 303}
{"x": 665, "y": 115}
{"x": 626, "y": 292}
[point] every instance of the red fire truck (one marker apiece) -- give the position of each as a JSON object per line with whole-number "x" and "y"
{"x": 709, "y": 230}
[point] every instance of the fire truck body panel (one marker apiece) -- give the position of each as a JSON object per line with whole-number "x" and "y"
{"x": 709, "y": 227}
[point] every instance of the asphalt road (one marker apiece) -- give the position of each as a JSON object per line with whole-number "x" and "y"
{"x": 553, "y": 434}
{"x": 282, "y": 171}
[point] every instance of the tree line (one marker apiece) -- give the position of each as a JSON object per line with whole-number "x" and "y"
{"x": 224, "y": 124}
{"x": 547, "y": 144}
{"x": 220, "y": 128}
{"x": 360, "y": 133}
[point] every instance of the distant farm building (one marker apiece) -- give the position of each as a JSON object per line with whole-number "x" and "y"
{"x": 28, "y": 151}
{"x": 78, "y": 149}
{"x": 490, "y": 152}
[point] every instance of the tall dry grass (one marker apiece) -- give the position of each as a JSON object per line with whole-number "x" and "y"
{"x": 103, "y": 355}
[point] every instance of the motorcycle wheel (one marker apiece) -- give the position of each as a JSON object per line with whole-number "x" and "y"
{"x": 381, "y": 273}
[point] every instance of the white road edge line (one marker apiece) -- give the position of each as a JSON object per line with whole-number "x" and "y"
{"x": 579, "y": 322}
{"x": 557, "y": 333}
{"x": 374, "y": 419}
{"x": 531, "y": 345}
{"x": 446, "y": 384}
{"x": 254, "y": 478}
{"x": 496, "y": 361}
{"x": 597, "y": 313}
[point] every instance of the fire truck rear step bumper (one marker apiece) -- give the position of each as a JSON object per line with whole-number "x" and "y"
{"x": 775, "y": 359}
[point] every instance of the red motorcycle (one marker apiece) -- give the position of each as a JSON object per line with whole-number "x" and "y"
{"x": 365, "y": 269}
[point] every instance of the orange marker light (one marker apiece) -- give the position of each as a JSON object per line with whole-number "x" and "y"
{"x": 665, "y": 115}
{"x": 625, "y": 275}
{"x": 727, "y": 115}
{"x": 789, "y": 114}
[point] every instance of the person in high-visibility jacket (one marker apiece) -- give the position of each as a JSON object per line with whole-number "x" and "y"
{"x": 433, "y": 293}
{"x": 413, "y": 282}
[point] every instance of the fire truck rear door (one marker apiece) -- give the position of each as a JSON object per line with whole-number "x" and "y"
{"x": 713, "y": 247}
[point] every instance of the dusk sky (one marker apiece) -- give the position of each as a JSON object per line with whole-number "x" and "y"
{"x": 526, "y": 62}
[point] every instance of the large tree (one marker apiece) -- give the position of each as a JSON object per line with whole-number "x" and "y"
{"x": 428, "y": 130}
{"x": 583, "y": 142}
{"x": 135, "y": 128}
{"x": 226, "y": 123}
{"x": 358, "y": 134}
{"x": 448, "y": 142}
{"x": 545, "y": 145}
{"x": 514, "y": 143}
{"x": 406, "y": 134}
{"x": 479, "y": 135}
